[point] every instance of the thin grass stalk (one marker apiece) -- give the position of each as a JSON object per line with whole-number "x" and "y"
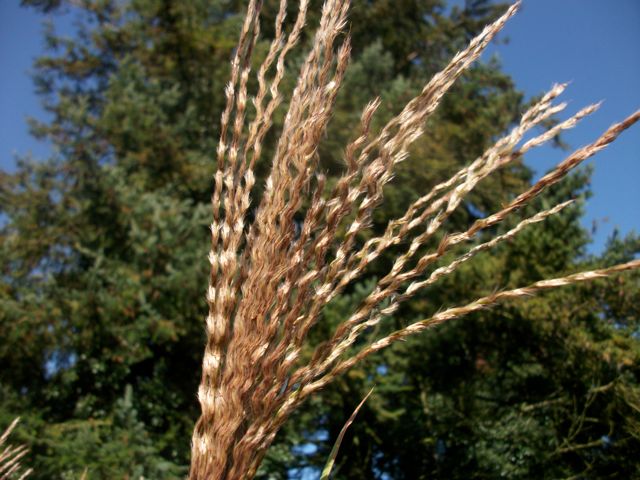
{"x": 11, "y": 457}
{"x": 326, "y": 471}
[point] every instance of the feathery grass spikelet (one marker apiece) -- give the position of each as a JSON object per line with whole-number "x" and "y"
{"x": 269, "y": 282}
{"x": 11, "y": 457}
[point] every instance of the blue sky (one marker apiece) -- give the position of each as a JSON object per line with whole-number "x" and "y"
{"x": 594, "y": 44}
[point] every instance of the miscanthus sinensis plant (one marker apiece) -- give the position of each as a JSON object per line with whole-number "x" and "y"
{"x": 270, "y": 278}
{"x": 11, "y": 457}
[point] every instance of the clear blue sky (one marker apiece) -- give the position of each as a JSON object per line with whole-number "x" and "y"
{"x": 595, "y": 44}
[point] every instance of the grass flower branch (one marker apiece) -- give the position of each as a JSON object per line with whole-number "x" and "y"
{"x": 269, "y": 283}
{"x": 11, "y": 457}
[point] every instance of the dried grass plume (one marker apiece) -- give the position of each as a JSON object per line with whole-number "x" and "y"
{"x": 268, "y": 285}
{"x": 11, "y": 457}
